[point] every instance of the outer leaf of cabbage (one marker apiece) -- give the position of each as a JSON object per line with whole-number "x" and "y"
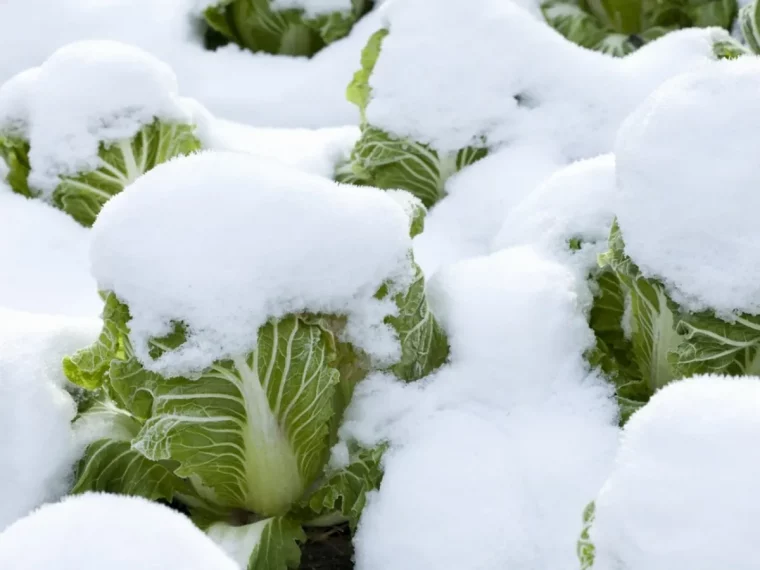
{"x": 89, "y": 367}
{"x": 626, "y": 17}
{"x": 15, "y": 152}
{"x": 382, "y": 160}
{"x": 344, "y": 491}
{"x": 388, "y": 162}
{"x": 620, "y": 27}
{"x": 720, "y": 13}
{"x": 749, "y": 21}
{"x": 122, "y": 162}
{"x": 585, "y": 548}
{"x": 714, "y": 346}
{"x": 424, "y": 346}
{"x": 652, "y": 325}
{"x": 254, "y": 25}
{"x": 358, "y": 91}
{"x": 269, "y": 544}
{"x": 729, "y": 48}
{"x": 111, "y": 465}
{"x": 585, "y": 29}
{"x": 618, "y": 15}
{"x": 613, "y": 351}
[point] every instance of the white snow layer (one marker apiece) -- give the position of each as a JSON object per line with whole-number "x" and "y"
{"x": 687, "y": 180}
{"x": 86, "y": 93}
{"x": 223, "y": 241}
{"x": 577, "y": 202}
{"x": 478, "y": 198}
{"x": 235, "y": 84}
{"x": 426, "y": 86}
{"x": 683, "y": 493}
{"x": 454, "y": 74}
{"x": 516, "y": 434}
{"x": 44, "y": 254}
{"x": 317, "y": 151}
{"x": 36, "y": 441}
{"x": 96, "y": 531}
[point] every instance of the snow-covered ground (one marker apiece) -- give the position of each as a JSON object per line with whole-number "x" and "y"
{"x": 242, "y": 335}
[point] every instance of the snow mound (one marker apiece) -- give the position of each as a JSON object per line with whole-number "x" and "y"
{"x": 687, "y": 181}
{"x": 487, "y": 69}
{"x": 86, "y": 93}
{"x": 575, "y": 203}
{"x": 519, "y": 441}
{"x": 316, "y": 151}
{"x": 96, "y": 531}
{"x": 45, "y": 256}
{"x": 36, "y": 441}
{"x": 683, "y": 489}
{"x": 464, "y": 223}
{"x": 258, "y": 240}
{"x": 513, "y": 486}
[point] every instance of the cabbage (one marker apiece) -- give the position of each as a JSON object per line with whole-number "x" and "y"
{"x": 258, "y": 25}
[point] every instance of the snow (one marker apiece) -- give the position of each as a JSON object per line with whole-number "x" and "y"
{"x": 235, "y": 84}
{"x": 44, "y": 254}
{"x": 15, "y": 95}
{"x": 472, "y": 490}
{"x": 450, "y": 76}
{"x": 493, "y": 457}
{"x": 684, "y": 485}
{"x": 577, "y": 202}
{"x": 258, "y": 240}
{"x": 686, "y": 202}
{"x": 104, "y": 92}
{"x": 465, "y": 222}
{"x": 36, "y": 442}
{"x": 317, "y": 151}
{"x": 95, "y": 531}
{"x": 514, "y": 440}
{"x": 238, "y": 542}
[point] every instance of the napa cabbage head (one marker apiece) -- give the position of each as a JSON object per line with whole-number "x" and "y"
{"x": 384, "y": 160}
{"x": 83, "y": 195}
{"x": 262, "y": 25}
{"x": 646, "y": 340}
{"x": 618, "y": 28}
{"x": 88, "y": 122}
{"x": 244, "y": 445}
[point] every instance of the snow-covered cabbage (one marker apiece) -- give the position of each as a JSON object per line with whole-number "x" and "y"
{"x": 682, "y": 492}
{"x": 619, "y": 27}
{"x": 89, "y": 121}
{"x": 427, "y": 112}
{"x": 684, "y": 249}
{"x": 224, "y": 366}
{"x": 284, "y": 27}
{"x": 97, "y": 531}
